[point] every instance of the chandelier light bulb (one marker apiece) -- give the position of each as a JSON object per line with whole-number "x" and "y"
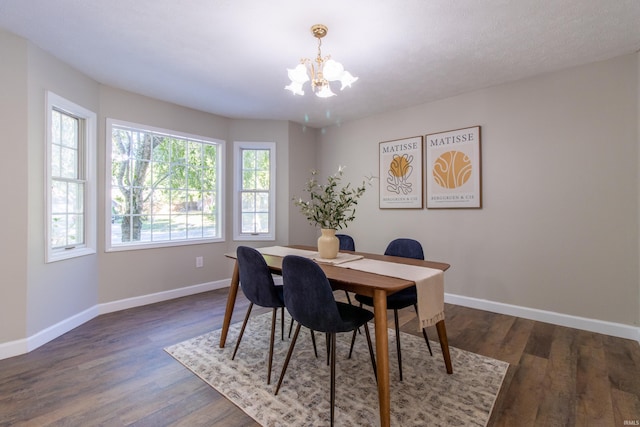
{"x": 346, "y": 79}
{"x": 332, "y": 70}
{"x": 298, "y": 74}
{"x": 295, "y": 88}
{"x": 324, "y": 91}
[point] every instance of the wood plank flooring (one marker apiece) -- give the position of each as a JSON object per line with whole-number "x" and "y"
{"x": 112, "y": 371}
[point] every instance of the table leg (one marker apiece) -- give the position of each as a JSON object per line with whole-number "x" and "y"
{"x": 444, "y": 344}
{"x": 231, "y": 302}
{"x": 382, "y": 354}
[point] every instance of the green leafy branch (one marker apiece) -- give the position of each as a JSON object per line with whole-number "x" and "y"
{"x": 330, "y": 206}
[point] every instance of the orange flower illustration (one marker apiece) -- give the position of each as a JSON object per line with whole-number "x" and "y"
{"x": 400, "y": 170}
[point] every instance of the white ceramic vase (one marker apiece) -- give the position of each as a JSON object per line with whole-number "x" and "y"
{"x": 328, "y": 244}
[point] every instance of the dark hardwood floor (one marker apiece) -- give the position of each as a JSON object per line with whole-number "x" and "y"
{"x": 113, "y": 371}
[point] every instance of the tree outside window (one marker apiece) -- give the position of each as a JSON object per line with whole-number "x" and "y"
{"x": 164, "y": 187}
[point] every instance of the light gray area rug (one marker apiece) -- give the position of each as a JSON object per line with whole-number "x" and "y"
{"x": 427, "y": 396}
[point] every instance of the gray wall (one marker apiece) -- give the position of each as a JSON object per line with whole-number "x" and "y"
{"x": 559, "y": 226}
{"x": 303, "y": 154}
{"x": 14, "y": 141}
{"x": 50, "y": 285}
{"x": 128, "y": 274}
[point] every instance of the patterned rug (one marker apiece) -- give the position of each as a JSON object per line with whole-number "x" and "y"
{"x": 427, "y": 396}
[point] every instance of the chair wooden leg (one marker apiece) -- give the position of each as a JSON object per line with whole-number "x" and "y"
{"x": 328, "y": 341}
{"x": 353, "y": 341}
{"x": 272, "y": 338}
{"x": 333, "y": 376}
{"x": 348, "y": 297}
{"x": 395, "y": 317}
{"x": 371, "y": 353}
{"x": 244, "y": 324}
{"x": 360, "y": 307}
{"x": 282, "y": 325}
{"x": 286, "y": 360}
{"x": 424, "y": 332}
{"x": 313, "y": 340}
{"x": 349, "y": 301}
{"x": 290, "y": 327}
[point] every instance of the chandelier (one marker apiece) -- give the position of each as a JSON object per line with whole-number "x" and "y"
{"x": 324, "y": 70}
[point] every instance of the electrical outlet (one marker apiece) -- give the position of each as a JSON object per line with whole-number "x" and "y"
{"x": 199, "y": 262}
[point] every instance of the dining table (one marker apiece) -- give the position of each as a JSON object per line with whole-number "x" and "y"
{"x": 375, "y": 285}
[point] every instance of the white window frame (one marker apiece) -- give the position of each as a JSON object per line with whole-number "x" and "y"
{"x": 109, "y": 247}
{"x": 238, "y": 146}
{"x": 87, "y": 139}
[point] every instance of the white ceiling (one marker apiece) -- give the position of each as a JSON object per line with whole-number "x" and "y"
{"x": 229, "y": 57}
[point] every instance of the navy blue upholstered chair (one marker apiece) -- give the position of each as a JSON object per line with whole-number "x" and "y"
{"x": 258, "y": 286}
{"x": 309, "y": 299}
{"x": 406, "y": 248}
{"x": 346, "y": 242}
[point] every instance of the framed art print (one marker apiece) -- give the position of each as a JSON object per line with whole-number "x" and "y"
{"x": 401, "y": 174}
{"x": 453, "y": 169}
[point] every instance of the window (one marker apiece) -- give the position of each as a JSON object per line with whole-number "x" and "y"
{"x": 164, "y": 187}
{"x": 70, "y": 174}
{"x": 255, "y": 191}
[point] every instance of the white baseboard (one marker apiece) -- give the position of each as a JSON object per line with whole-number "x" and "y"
{"x": 593, "y": 325}
{"x": 25, "y": 345}
{"x": 124, "y": 304}
{"x": 22, "y": 346}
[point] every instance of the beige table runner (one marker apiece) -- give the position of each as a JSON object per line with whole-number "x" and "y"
{"x": 429, "y": 284}
{"x": 283, "y": 251}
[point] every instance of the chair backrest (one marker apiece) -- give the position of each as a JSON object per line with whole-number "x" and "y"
{"x": 308, "y": 295}
{"x": 255, "y": 278}
{"x": 346, "y": 242}
{"x": 407, "y": 248}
